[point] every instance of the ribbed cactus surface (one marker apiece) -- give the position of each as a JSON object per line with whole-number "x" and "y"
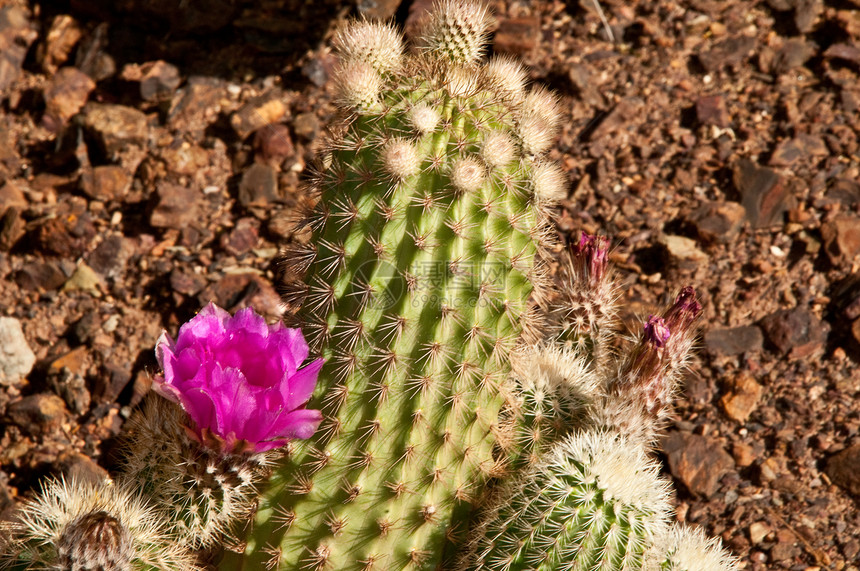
{"x": 426, "y": 236}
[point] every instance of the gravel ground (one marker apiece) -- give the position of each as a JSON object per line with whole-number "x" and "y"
{"x": 152, "y": 151}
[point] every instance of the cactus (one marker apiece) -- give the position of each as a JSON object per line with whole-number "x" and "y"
{"x": 83, "y": 525}
{"x": 427, "y": 233}
{"x": 467, "y": 416}
{"x": 595, "y": 501}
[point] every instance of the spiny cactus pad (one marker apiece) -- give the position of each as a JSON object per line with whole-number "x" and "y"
{"x": 426, "y": 240}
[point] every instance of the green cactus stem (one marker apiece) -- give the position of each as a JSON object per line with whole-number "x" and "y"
{"x": 427, "y": 235}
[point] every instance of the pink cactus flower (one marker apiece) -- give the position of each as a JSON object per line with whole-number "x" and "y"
{"x": 239, "y": 380}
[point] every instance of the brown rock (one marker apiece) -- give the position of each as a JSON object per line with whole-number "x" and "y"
{"x": 795, "y": 332}
{"x": 806, "y": 14}
{"x": 16, "y": 35}
{"x": 10, "y": 162}
{"x": 38, "y": 414}
{"x": 110, "y": 256}
{"x": 841, "y": 238}
{"x": 105, "y": 182}
{"x": 61, "y": 39}
{"x": 186, "y": 159}
{"x": 844, "y": 191}
{"x": 12, "y": 194}
{"x": 197, "y": 105}
{"x": 855, "y": 330}
{"x": 69, "y": 233}
{"x": 273, "y": 143}
{"x": 40, "y": 276}
{"x": 306, "y": 126}
{"x": 71, "y": 387}
{"x": 177, "y": 206}
{"x": 718, "y": 221}
{"x": 12, "y": 228}
{"x": 91, "y": 57}
{"x": 243, "y": 237}
{"x": 683, "y": 250}
{"x": 158, "y": 79}
{"x": 698, "y": 462}
{"x": 259, "y": 186}
{"x": 802, "y": 147}
{"x": 80, "y": 468}
{"x": 258, "y": 112}
{"x": 108, "y": 385}
{"x": 65, "y": 93}
{"x": 843, "y": 51}
{"x": 186, "y": 283}
{"x": 711, "y": 110}
{"x": 378, "y": 9}
{"x": 741, "y": 398}
{"x": 743, "y": 454}
{"x": 793, "y": 53}
{"x": 728, "y": 52}
{"x": 847, "y": 296}
{"x": 519, "y": 36}
{"x": 764, "y": 193}
{"x": 115, "y": 127}
{"x": 228, "y": 291}
{"x": 734, "y": 341}
{"x": 75, "y": 360}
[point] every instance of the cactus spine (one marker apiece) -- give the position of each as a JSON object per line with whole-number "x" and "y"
{"x": 427, "y": 232}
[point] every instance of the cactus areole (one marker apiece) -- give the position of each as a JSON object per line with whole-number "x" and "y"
{"x": 426, "y": 237}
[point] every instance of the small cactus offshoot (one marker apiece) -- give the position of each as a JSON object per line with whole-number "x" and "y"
{"x": 78, "y": 526}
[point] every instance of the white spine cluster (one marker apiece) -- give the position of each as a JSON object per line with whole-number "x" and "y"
{"x": 498, "y": 149}
{"x": 549, "y": 182}
{"x": 687, "y": 549}
{"x": 424, "y": 118}
{"x": 358, "y": 86}
{"x": 378, "y": 45}
{"x": 507, "y": 75}
{"x": 400, "y": 159}
{"x": 467, "y": 175}
{"x": 456, "y": 30}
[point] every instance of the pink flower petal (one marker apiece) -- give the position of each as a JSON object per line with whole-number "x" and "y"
{"x": 301, "y": 385}
{"x": 237, "y": 378}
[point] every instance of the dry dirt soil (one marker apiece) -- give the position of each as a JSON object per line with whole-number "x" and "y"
{"x": 151, "y": 150}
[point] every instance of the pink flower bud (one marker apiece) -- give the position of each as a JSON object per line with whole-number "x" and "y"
{"x": 592, "y": 253}
{"x": 656, "y": 331}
